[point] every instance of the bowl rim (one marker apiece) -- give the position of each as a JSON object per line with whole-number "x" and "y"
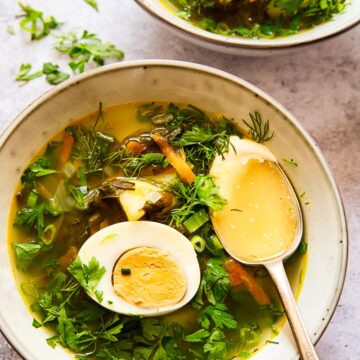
{"x": 229, "y": 43}
{"x": 47, "y": 96}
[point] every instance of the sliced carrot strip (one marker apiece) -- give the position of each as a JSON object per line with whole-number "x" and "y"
{"x": 68, "y": 142}
{"x": 239, "y": 275}
{"x": 134, "y": 147}
{"x": 68, "y": 257}
{"x": 176, "y": 160}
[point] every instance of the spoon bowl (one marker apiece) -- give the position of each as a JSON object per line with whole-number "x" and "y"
{"x": 275, "y": 267}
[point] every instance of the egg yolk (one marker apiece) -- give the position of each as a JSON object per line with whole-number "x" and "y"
{"x": 149, "y": 278}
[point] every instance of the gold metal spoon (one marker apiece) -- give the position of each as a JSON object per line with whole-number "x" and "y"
{"x": 277, "y": 272}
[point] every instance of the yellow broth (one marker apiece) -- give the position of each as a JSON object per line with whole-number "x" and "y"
{"x": 253, "y": 19}
{"x": 73, "y": 230}
{"x": 258, "y": 222}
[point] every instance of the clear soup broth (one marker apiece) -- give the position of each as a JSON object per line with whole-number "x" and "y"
{"x": 70, "y": 190}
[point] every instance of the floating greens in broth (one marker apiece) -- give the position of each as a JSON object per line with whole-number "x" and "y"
{"x": 257, "y": 19}
{"x": 70, "y": 191}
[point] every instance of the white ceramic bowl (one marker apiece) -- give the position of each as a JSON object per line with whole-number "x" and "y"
{"x": 205, "y": 88}
{"x": 252, "y": 47}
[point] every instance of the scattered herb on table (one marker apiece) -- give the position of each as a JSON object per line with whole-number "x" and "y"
{"x": 34, "y": 22}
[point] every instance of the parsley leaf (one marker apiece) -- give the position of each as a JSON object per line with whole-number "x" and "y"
{"x": 27, "y": 252}
{"x": 51, "y": 341}
{"x": 24, "y": 73}
{"x": 86, "y": 48}
{"x": 215, "y": 346}
{"x": 215, "y": 284}
{"x": 303, "y": 246}
{"x": 219, "y": 315}
{"x": 66, "y": 330}
{"x": 39, "y": 168}
{"x": 53, "y": 74}
{"x": 99, "y": 295}
{"x": 151, "y": 328}
{"x": 29, "y": 218}
{"x": 34, "y": 22}
{"x": 197, "y": 336}
{"x": 89, "y": 275}
{"x": 93, "y": 4}
{"x": 36, "y": 324}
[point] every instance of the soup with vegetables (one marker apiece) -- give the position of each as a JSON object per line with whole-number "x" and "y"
{"x": 256, "y": 18}
{"x": 143, "y": 161}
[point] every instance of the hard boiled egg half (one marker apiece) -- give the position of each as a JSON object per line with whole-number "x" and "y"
{"x": 151, "y": 268}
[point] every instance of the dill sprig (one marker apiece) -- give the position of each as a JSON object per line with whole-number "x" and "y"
{"x": 202, "y": 192}
{"x": 91, "y": 144}
{"x": 258, "y": 129}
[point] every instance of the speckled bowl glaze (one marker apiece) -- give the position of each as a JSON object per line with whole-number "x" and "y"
{"x": 207, "y": 88}
{"x": 252, "y": 47}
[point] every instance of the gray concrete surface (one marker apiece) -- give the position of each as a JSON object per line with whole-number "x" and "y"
{"x": 320, "y": 84}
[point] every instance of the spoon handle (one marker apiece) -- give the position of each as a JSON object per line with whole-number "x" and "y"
{"x": 305, "y": 346}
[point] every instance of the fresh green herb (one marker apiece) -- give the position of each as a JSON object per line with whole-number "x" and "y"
{"x": 258, "y": 130}
{"x": 269, "y": 19}
{"x": 202, "y": 192}
{"x": 198, "y": 243}
{"x": 195, "y": 221}
{"x": 110, "y": 302}
{"x": 125, "y": 271}
{"x": 36, "y": 324}
{"x": 24, "y": 73}
{"x": 32, "y": 199}
{"x": 53, "y": 74}
{"x": 133, "y": 165}
{"x": 89, "y": 147}
{"x": 291, "y": 162}
{"x": 29, "y": 218}
{"x": 93, "y": 4}
{"x": 34, "y": 22}
{"x": 79, "y": 194}
{"x": 27, "y": 252}
{"x": 85, "y": 48}
{"x": 245, "y": 354}
{"x": 236, "y": 210}
{"x": 148, "y": 112}
{"x": 89, "y": 275}
{"x": 219, "y": 315}
{"x": 99, "y": 296}
{"x": 39, "y": 168}
{"x": 52, "y": 341}
{"x": 249, "y": 334}
{"x": 303, "y": 246}
{"x": 215, "y": 346}
{"x": 272, "y": 342}
{"x": 288, "y": 6}
{"x": 215, "y": 284}
{"x": 274, "y": 311}
{"x": 202, "y": 144}
{"x": 197, "y": 336}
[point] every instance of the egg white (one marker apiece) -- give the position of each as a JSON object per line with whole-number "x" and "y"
{"x": 108, "y": 244}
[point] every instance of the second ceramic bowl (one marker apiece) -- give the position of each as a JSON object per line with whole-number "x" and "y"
{"x": 252, "y": 47}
